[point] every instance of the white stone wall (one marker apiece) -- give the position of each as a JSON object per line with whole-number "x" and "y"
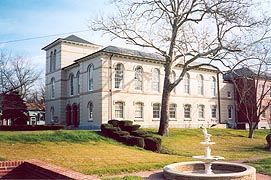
{"x": 104, "y": 95}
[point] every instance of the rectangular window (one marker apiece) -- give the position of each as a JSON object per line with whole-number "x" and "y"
{"x": 229, "y": 94}
{"x": 172, "y": 111}
{"x": 138, "y": 110}
{"x": 213, "y": 109}
{"x": 187, "y": 109}
{"x": 201, "y": 111}
{"x": 156, "y": 111}
{"x": 230, "y": 108}
{"x": 119, "y": 111}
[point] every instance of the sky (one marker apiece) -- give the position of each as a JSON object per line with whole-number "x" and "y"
{"x": 32, "y": 19}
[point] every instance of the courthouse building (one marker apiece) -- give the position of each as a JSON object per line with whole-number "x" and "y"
{"x": 87, "y": 84}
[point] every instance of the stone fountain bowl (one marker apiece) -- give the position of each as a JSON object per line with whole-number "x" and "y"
{"x": 221, "y": 171}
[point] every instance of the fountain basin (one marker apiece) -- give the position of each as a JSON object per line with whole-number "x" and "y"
{"x": 221, "y": 171}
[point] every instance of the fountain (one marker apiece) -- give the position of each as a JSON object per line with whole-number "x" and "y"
{"x": 207, "y": 168}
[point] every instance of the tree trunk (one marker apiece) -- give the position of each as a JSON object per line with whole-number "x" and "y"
{"x": 251, "y": 131}
{"x": 163, "y": 127}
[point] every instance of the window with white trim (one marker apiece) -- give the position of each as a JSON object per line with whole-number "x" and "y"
{"x": 213, "y": 86}
{"x": 90, "y": 77}
{"x": 71, "y": 84}
{"x": 213, "y": 111}
{"x": 156, "y": 111}
{"x": 200, "y": 85}
{"x": 119, "y": 76}
{"x": 138, "y": 110}
{"x": 172, "y": 111}
{"x": 187, "y": 111}
{"x": 90, "y": 111}
{"x": 53, "y": 88}
{"x": 139, "y": 78}
{"x": 201, "y": 112}
{"x": 187, "y": 83}
{"x": 156, "y": 80}
{"x": 119, "y": 110}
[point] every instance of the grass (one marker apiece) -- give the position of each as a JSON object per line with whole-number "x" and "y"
{"x": 262, "y": 165}
{"x": 125, "y": 178}
{"x": 89, "y": 153}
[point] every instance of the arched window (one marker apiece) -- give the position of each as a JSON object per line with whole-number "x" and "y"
{"x": 138, "y": 78}
{"x": 156, "y": 80}
{"x": 139, "y": 110}
{"x": 119, "y": 76}
{"x": 51, "y": 61}
{"x": 156, "y": 111}
{"x": 213, "y": 86}
{"x": 172, "y": 79}
{"x": 90, "y": 77}
{"x": 90, "y": 111}
{"x": 187, "y": 83}
{"x": 200, "y": 85}
{"x": 53, "y": 88}
{"x": 172, "y": 111}
{"x": 52, "y": 114}
{"x": 78, "y": 82}
{"x": 71, "y": 84}
{"x": 119, "y": 110}
{"x": 54, "y": 61}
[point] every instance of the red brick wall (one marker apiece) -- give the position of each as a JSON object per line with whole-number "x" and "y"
{"x": 34, "y": 169}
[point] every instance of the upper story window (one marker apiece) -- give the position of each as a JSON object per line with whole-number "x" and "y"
{"x": 71, "y": 84}
{"x": 78, "y": 82}
{"x": 119, "y": 76}
{"x": 200, "y": 85}
{"x": 187, "y": 83}
{"x": 119, "y": 110}
{"x": 263, "y": 112}
{"x": 90, "y": 77}
{"x": 54, "y": 60}
{"x": 172, "y": 111}
{"x": 138, "y": 78}
{"x": 90, "y": 111}
{"x": 187, "y": 111}
{"x": 261, "y": 89}
{"x": 156, "y": 111}
{"x": 53, "y": 88}
{"x": 139, "y": 110}
{"x": 156, "y": 80}
{"x": 229, "y": 94}
{"x": 51, "y": 61}
{"x": 213, "y": 86}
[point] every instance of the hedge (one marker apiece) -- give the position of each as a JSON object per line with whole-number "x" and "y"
{"x": 127, "y": 133}
{"x": 31, "y": 127}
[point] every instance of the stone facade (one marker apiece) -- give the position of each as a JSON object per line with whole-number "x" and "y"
{"x": 90, "y": 85}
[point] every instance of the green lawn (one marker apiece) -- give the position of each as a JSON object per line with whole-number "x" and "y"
{"x": 90, "y": 153}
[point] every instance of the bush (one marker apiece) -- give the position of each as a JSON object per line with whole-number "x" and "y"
{"x": 104, "y": 127}
{"x": 124, "y": 138}
{"x": 125, "y": 123}
{"x": 117, "y": 134}
{"x": 114, "y": 122}
{"x": 131, "y": 128}
{"x": 136, "y": 141}
{"x": 31, "y": 128}
{"x": 152, "y": 143}
{"x": 140, "y": 133}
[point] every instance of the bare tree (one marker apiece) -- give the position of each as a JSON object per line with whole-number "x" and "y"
{"x": 252, "y": 83}
{"x": 16, "y": 74}
{"x": 185, "y": 32}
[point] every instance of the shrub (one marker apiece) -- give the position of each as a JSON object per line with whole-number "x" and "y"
{"x": 139, "y": 132}
{"x": 104, "y": 127}
{"x": 124, "y": 138}
{"x": 136, "y": 141}
{"x": 117, "y": 134}
{"x": 131, "y": 128}
{"x": 125, "y": 123}
{"x": 114, "y": 122}
{"x": 152, "y": 143}
{"x": 31, "y": 128}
